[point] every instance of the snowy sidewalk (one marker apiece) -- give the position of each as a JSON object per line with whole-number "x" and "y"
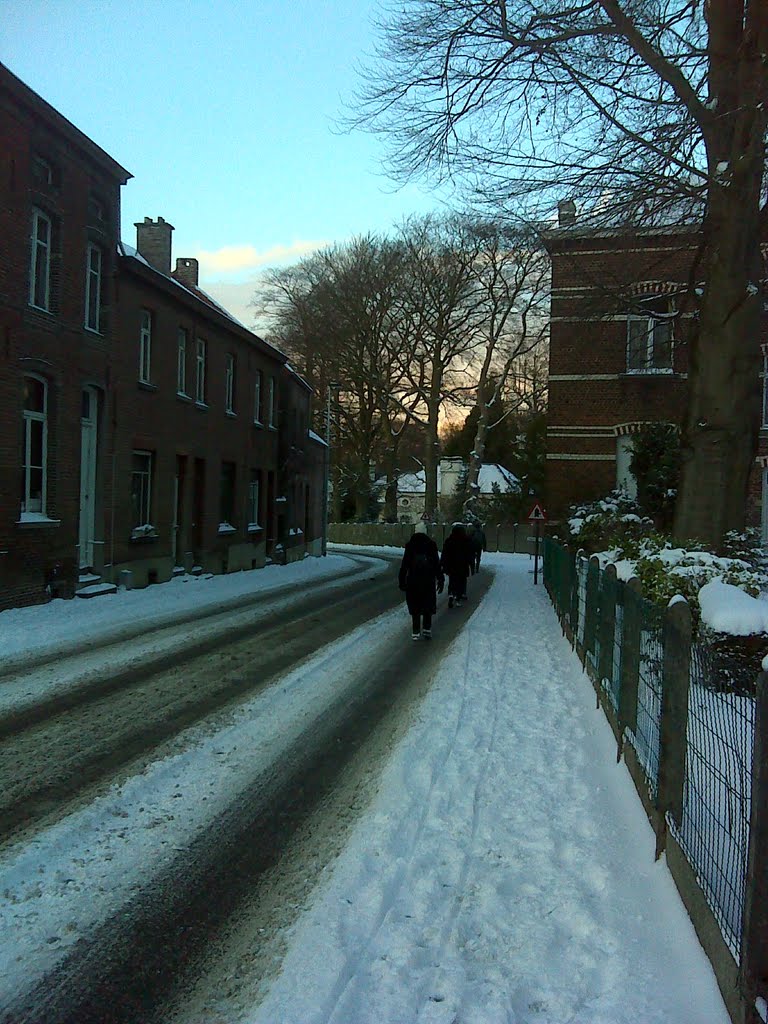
{"x": 505, "y": 871}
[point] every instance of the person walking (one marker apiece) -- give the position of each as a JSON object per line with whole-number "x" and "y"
{"x": 421, "y": 577}
{"x": 478, "y": 544}
{"x": 456, "y": 561}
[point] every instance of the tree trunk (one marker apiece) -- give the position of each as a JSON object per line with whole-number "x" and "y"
{"x": 723, "y": 415}
{"x": 476, "y": 457}
{"x": 431, "y": 459}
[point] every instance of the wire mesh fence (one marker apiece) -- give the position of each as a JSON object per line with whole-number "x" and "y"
{"x": 625, "y": 647}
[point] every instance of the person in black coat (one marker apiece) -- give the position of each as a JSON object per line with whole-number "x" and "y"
{"x": 420, "y": 577}
{"x": 478, "y": 544}
{"x": 456, "y": 561}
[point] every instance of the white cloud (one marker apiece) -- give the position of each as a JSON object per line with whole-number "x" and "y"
{"x": 235, "y": 259}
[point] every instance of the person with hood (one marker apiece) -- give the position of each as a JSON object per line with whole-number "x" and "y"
{"x": 456, "y": 562}
{"x": 421, "y": 577}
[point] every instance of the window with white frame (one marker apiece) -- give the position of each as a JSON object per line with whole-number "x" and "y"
{"x": 271, "y": 402}
{"x": 765, "y": 385}
{"x": 141, "y": 491}
{"x": 40, "y": 263}
{"x": 181, "y": 361}
{"x": 257, "y": 396}
{"x": 34, "y": 470}
{"x": 650, "y": 335}
{"x": 229, "y": 383}
{"x": 254, "y": 489}
{"x": 93, "y": 288}
{"x": 145, "y": 347}
{"x": 200, "y": 360}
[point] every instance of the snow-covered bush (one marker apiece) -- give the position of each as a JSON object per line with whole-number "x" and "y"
{"x": 614, "y": 522}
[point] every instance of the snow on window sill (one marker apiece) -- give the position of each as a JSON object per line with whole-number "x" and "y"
{"x": 200, "y": 405}
{"x": 280, "y": 500}
{"x": 184, "y": 396}
{"x": 651, "y": 371}
{"x": 227, "y": 528}
{"x": 147, "y": 385}
{"x": 254, "y": 528}
{"x": 146, "y": 532}
{"x": 258, "y": 423}
{"x": 232, "y": 414}
{"x": 36, "y": 519}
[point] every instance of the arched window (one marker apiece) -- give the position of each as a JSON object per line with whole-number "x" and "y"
{"x": 34, "y": 470}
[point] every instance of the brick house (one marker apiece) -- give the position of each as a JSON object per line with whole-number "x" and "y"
{"x": 143, "y": 429}
{"x": 59, "y": 225}
{"x": 620, "y": 322}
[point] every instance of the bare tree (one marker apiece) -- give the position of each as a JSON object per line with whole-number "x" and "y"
{"x": 649, "y": 109}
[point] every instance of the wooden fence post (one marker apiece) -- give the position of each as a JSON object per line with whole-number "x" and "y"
{"x": 609, "y": 591}
{"x": 632, "y": 621}
{"x": 673, "y": 726}
{"x": 754, "y": 948}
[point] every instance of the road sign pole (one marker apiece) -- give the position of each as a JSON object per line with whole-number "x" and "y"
{"x": 536, "y": 555}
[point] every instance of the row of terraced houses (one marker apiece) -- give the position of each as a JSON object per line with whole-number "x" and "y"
{"x": 144, "y": 432}
{"x": 620, "y": 324}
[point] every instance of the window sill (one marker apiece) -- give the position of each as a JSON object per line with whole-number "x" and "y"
{"x": 93, "y": 330}
{"x": 145, "y": 385}
{"x": 35, "y": 520}
{"x": 665, "y": 372}
{"x": 231, "y": 414}
{"x": 200, "y": 405}
{"x": 143, "y": 538}
{"x": 258, "y": 424}
{"x": 255, "y": 528}
{"x": 226, "y": 528}
{"x": 272, "y": 427}
{"x": 39, "y": 309}
{"x": 184, "y": 397}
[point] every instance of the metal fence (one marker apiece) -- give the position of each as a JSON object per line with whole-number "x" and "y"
{"x": 685, "y": 729}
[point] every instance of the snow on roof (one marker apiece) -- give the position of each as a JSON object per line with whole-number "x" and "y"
{"x": 413, "y": 483}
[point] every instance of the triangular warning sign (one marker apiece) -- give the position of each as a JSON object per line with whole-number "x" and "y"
{"x": 536, "y": 512}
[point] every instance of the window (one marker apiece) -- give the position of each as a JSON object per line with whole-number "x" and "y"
{"x": 227, "y": 502}
{"x": 40, "y": 264}
{"x": 649, "y": 335}
{"x": 765, "y": 385}
{"x": 229, "y": 383}
{"x": 271, "y": 402}
{"x": 257, "y": 397}
{"x": 254, "y": 488}
{"x": 181, "y": 361}
{"x": 145, "y": 347}
{"x": 93, "y": 288}
{"x": 141, "y": 492}
{"x": 43, "y": 174}
{"x": 200, "y": 372}
{"x": 34, "y": 471}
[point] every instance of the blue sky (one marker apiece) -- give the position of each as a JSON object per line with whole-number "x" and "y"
{"x": 224, "y": 113}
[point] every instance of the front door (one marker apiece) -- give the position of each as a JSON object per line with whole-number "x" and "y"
{"x": 88, "y": 440}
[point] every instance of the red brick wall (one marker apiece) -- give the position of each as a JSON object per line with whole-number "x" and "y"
{"x": 52, "y": 344}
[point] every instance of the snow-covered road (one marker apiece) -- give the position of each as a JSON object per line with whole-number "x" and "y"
{"x": 503, "y": 872}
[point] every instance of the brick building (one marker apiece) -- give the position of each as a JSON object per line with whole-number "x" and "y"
{"x": 59, "y": 226}
{"x": 620, "y": 322}
{"x": 143, "y": 429}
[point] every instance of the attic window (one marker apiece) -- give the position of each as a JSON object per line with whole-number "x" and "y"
{"x": 96, "y": 212}
{"x": 44, "y": 173}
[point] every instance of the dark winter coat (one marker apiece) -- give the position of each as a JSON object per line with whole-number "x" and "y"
{"x": 420, "y": 574}
{"x": 477, "y": 539}
{"x": 456, "y": 558}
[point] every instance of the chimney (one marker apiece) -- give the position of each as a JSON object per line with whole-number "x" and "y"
{"x": 566, "y": 213}
{"x": 186, "y": 272}
{"x": 153, "y": 240}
